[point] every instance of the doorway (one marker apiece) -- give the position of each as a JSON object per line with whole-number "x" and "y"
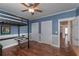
{"x": 65, "y": 32}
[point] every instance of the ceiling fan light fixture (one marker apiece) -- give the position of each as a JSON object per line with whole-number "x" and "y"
{"x": 31, "y": 10}
{"x": 31, "y": 7}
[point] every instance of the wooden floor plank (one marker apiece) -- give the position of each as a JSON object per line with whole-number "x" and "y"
{"x": 37, "y": 49}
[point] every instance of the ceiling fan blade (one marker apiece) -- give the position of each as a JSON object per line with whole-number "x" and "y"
{"x": 38, "y": 10}
{"x": 25, "y": 4}
{"x": 35, "y": 5}
{"x": 24, "y": 10}
{"x": 30, "y": 4}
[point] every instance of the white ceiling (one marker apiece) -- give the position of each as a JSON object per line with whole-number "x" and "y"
{"x": 48, "y": 9}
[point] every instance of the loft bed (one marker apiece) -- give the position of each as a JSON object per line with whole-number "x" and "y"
{"x": 10, "y": 19}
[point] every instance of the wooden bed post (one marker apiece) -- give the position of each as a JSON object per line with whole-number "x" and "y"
{"x": 18, "y": 31}
{"x": 28, "y": 32}
{"x": 1, "y": 28}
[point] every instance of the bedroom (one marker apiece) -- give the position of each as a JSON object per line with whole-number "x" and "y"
{"x": 41, "y": 27}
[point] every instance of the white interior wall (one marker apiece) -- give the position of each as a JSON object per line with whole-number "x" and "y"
{"x": 55, "y": 41}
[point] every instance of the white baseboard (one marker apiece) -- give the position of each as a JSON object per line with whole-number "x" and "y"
{"x": 55, "y": 45}
{"x": 10, "y": 45}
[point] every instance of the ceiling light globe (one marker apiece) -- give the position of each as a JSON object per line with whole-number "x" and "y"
{"x": 31, "y": 10}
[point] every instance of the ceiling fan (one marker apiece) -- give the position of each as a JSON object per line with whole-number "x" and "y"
{"x": 31, "y": 7}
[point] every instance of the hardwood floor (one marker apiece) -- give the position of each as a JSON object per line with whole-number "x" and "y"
{"x": 37, "y": 49}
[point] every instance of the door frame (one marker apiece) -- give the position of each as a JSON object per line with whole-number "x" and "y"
{"x": 60, "y": 20}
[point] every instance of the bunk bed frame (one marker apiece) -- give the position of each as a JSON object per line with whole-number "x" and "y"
{"x": 21, "y": 22}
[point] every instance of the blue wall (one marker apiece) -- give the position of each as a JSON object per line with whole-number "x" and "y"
{"x": 23, "y": 29}
{"x": 14, "y": 29}
{"x": 55, "y": 19}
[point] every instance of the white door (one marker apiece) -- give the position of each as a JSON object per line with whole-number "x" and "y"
{"x": 46, "y": 32}
{"x": 75, "y": 32}
{"x": 35, "y": 31}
